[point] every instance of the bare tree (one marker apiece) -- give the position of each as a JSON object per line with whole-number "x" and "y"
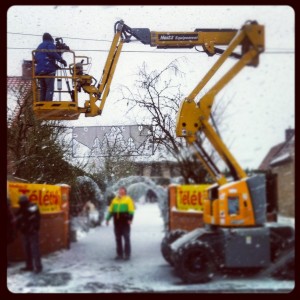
{"x": 114, "y": 165}
{"x": 159, "y": 98}
{"x": 37, "y": 150}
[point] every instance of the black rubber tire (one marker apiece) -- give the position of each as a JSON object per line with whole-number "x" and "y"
{"x": 282, "y": 254}
{"x": 196, "y": 262}
{"x": 284, "y": 267}
{"x": 170, "y": 237}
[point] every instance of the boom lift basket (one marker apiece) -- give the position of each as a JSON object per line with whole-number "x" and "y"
{"x": 64, "y": 105}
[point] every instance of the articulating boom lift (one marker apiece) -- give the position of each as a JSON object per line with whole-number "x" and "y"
{"x": 234, "y": 212}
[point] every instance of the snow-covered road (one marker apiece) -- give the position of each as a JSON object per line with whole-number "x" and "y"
{"x": 89, "y": 266}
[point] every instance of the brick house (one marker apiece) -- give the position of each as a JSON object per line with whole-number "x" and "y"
{"x": 280, "y": 160}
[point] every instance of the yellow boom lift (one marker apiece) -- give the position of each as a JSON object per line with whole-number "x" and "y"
{"x": 236, "y": 234}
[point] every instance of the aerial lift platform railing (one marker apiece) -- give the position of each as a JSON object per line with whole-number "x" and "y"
{"x": 70, "y": 110}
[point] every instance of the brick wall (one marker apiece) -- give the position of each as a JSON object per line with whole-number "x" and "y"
{"x": 286, "y": 188}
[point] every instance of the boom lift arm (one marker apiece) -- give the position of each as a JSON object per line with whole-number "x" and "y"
{"x": 241, "y": 202}
{"x": 193, "y": 116}
{"x": 207, "y": 38}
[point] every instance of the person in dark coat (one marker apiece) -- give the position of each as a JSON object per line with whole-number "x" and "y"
{"x": 10, "y": 226}
{"x": 46, "y": 66}
{"x": 28, "y": 222}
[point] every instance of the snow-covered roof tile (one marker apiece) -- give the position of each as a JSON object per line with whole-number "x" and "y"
{"x": 273, "y": 151}
{"x": 280, "y": 159}
{"x": 278, "y": 153}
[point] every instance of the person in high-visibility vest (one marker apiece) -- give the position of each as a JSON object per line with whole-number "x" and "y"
{"x": 122, "y": 211}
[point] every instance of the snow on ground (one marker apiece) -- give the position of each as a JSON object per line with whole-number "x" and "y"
{"x": 286, "y": 220}
{"x": 89, "y": 266}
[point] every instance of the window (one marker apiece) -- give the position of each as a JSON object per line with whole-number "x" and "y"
{"x": 233, "y": 205}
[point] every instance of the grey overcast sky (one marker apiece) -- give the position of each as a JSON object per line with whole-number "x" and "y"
{"x": 262, "y": 99}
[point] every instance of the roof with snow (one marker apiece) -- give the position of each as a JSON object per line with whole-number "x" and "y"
{"x": 278, "y": 154}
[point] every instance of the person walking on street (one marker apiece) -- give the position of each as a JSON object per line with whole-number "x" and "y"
{"x": 45, "y": 59}
{"x": 28, "y": 222}
{"x": 122, "y": 211}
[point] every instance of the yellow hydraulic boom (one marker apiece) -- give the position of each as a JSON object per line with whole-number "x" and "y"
{"x": 193, "y": 116}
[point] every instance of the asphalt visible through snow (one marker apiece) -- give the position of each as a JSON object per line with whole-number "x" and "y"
{"x": 89, "y": 267}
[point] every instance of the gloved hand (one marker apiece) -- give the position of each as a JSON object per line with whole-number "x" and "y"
{"x": 63, "y": 62}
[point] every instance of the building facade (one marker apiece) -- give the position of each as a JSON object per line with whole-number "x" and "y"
{"x": 280, "y": 160}
{"x": 165, "y": 169}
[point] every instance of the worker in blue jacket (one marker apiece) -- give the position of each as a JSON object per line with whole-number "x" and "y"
{"x": 45, "y": 59}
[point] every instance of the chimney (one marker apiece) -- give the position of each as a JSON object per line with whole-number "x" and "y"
{"x": 27, "y": 69}
{"x": 289, "y": 133}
